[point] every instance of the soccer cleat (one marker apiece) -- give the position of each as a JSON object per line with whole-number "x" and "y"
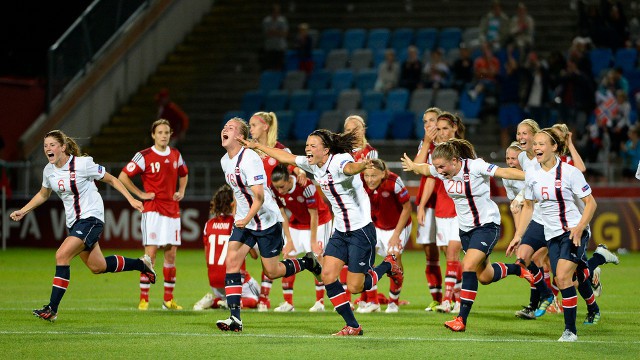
{"x": 403, "y": 302}
{"x": 143, "y": 305}
{"x": 592, "y": 318}
{"x": 263, "y": 306}
{"x": 456, "y": 325}
{"x": 367, "y": 308}
{"x": 568, "y": 336}
{"x": 46, "y": 313}
{"x": 525, "y": 273}
{"x": 230, "y": 324}
{"x": 445, "y": 307}
{"x": 527, "y": 313}
{"x": 544, "y": 304}
{"x": 349, "y": 331}
{"x": 392, "y": 308}
{"x": 315, "y": 266}
{"x": 148, "y": 268}
{"x": 205, "y": 303}
{"x": 555, "y": 307}
{"x": 609, "y": 257}
{"x": 284, "y": 307}
{"x": 596, "y": 285}
{"x": 317, "y": 307}
{"x": 171, "y": 305}
{"x": 456, "y": 308}
{"x": 395, "y": 273}
{"x": 432, "y": 306}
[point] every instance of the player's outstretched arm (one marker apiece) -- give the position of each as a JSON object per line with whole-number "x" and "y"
{"x": 116, "y": 184}
{"x": 37, "y": 200}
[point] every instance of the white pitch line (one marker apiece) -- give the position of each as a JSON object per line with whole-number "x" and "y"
{"x": 271, "y": 336}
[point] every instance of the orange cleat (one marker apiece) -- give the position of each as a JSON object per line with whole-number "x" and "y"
{"x": 349, "y": 331}
{"x": 456, "y": 325}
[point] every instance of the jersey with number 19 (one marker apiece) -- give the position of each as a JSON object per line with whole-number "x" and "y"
{"x": 242, "y": 172}
{"x": 469, "y": 189}
{"x": 74, "y": 184}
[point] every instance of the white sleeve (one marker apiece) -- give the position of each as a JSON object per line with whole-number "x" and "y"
{"x": 45, "y": 180}
{"x": 253, "y": 169}
{"x": 579, "y": 185}
{"x": 528, "y": 188}
{"x": 343, "y": 161}
{"x": 638, "y": 171}
{"x": 92, "y": 170}
{"x": 482, "y": 167}
{"x": 303, "y": 163}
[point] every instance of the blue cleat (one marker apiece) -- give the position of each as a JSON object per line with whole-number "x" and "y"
{"x": 544, "y": 304}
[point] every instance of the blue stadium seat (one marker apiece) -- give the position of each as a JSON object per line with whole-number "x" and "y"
{"x": 402, "y": 125}
{"x": 401, "y": 38}
{"x": 291, "y": 61}
{"x": 378, "y": 38}
{"x": 449, "y": 38}
{"x": 270, "y": 80}
{"x": 325, "y": 100}
{"x": 397, "y": 100}
{"x": 365, "y": 80}
{"x": 372, "y": 100}
{"x": 252, "y": 101}
{"x": 354, "y": 39}
{"x": 633, "y": 77}
{"x": 600, "y": 60}
{"x": 470, "y": 107}
{"x": 378, "y": 124}
{"x": 342, "y": 79}
{"x": 426, "y": 39}
{"x": 276, "y": 100}
{"x": 330, "y": 39}
{"x": 626, "y": 59}
{"x": 285, "y": 124}
{"x": 418, "y": 125}
{"x": 231, "y": 114}
{"x": 378, "y": 58}
{"x": 300, "y": 100}
{"x": 318, "y": 80}
{"x": 305, "y": 123}
{"x": 318, "y": 58}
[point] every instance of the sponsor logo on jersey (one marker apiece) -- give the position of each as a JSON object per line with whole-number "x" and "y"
{"x": 361, "y": 263}
{"x": 405, "y": 192}
{"x": 585, "y": 188}
{"x": 166, "y": 161}
{"x": 79, "y": 232}
{"x": 311, "y": 201}
{"x": 258, "y": 177}
{"x": 343, "y": 163}
{"x": 491, "y": 166}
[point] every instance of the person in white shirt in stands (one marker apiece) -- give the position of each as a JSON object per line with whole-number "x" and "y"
{"x": 328, "y": 158}
{"x": 257, "y": 221}
{"x": 553, "y": 184}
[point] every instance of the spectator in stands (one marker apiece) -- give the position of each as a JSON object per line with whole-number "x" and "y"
{"x": 388, "y": 72}
{"x": 557, "y": 64}
{"x": 170, "y": 111}
{"x": 522, "y": 30}
{"x": 579, "y": 52}
{"x": 616, "y": 25}
{"x": 494, "y": 26}
{"x": 509, "y": 110}
{"x": 462, "y": 69}
{"x": 575, "y": 98}
{"x": 538, "y": 89}
{"x": 620, "y": 123}
{"x": 436, "y": 71}
{"x": 411, "y": 71}
{"x": 275, "y": 29}
{"x": 631, "y": 154}
{"x": 619, "y": 81}
{"x": 485, "y": 70}
{"x": 304, "y": 48}
{"x": 590, "y": 23}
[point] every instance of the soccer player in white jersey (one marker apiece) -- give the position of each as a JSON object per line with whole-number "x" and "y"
{"x": 164, "y": 178}
{"x": 353, "y": 240}
{"x": 257, "y": 220}
{"x": 72, "y": 177}
{"x": 467, "y": 183}
{"x": 553, "y": 184}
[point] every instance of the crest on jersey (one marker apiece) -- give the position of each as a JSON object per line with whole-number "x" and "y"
{"x": 465, "y": 177}
{"x": 237, "y": 170}
{"x": 131, "y": 166}
{"x": 300, "y": 199}
{"x": 385, "y": 194}
{"x": 272, "y": 161}
{"x": 72, "y": 176}
{"x": 175, "y": 164}
{"x": 558, "y": 184}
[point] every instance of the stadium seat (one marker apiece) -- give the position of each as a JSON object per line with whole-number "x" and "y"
{"x": 600, "y": 60}
{"x": 471, "y": 36}
{"x": 372, "y": 100}
{"x": 426, "y": 39}
{"x": 378, "y": 58}
{"x": 633, "y": 77}
{"x": 285, "y": 124}
{"x": 318, "y": 58}
{"x": 418, "y": 126}
{"x": 401, "y": 38}
{"x": 449, "y": 38}
{"x": 348, "y": 99}
{"x": 421, "y": 100}
{"x": 446, "y": 99}
{"x": 626, "y": 59}
{"x": 252, "y": 101}
{"x": 451, "y": 56}
{"x": 294, "y": 80}
{"x": 397, "y": 100}
{"x": 336, "y": 59}
{"x": 402, "y": 125}
{"x": 361, "y": 59}
{"x": 291, "y": 61}
{"x": 270, "y": 80}
{"x": 231, "y": 114}
{"x": 276, "y": 100}
{"x": 324, "y": 100}
{"x": 331, "y": 120}
{"x": 305, "y": 122}
{"x": 365, "y": 80}
{"x": 300, "y": 100}
{"x": 354, "y": 39}
{"x": 330, "y": 39}
{"x": 401, "y": 55}
{"x": 319, "y": 80}
{"x": 378, "y": 38}
{"x": 378, "y": 124}
{"x": 470, "y": 108}
{"x": 342, "y": 79}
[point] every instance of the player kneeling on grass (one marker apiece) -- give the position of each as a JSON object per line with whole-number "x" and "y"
{"x": 216, "y": 241}
{"x": 72, "y": 177}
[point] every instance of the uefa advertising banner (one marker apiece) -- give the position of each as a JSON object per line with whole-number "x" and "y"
{"x": 615, "y": 224}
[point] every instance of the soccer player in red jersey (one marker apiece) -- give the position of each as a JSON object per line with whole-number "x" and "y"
{"x": 164, "y": 178}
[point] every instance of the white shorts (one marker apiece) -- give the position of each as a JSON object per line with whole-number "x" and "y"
{"x": 427, "y": 232}
{"x": 382, "y": 246}
{"x": 302, "y": 238}
{"x": 159, "y": 230}
{"x": 250, "y": 289}
{"x": 447, "y": 230}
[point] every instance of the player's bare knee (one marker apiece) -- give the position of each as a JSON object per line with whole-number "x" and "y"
{"x": 355, "y": 288}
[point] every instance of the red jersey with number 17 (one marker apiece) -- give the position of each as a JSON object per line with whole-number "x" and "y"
{"x": 159, "y": 172}
{"x": 216, "y": 240}
{"x": 387, "y": 201}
